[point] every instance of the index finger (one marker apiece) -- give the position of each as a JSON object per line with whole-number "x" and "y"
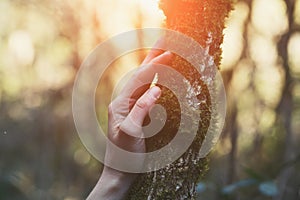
{"x": 141, "y": 80}
{"x": 155, "y": 51}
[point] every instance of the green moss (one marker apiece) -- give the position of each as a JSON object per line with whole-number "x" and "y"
{"x": 203, "y": 20}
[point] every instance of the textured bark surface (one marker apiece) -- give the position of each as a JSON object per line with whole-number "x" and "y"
{"x": 203, "y": 20}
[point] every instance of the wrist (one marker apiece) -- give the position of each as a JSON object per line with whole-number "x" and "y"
{"x": 116, "y": 177}
{"x": 113, "y": 184}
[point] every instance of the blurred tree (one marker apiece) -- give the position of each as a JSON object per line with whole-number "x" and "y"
{"x": 286, "y": 103}
{"x": 42, "y": 44}
{"x": 274, "y": 146}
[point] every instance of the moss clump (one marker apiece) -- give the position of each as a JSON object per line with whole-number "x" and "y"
{"x": 203, "y": 20}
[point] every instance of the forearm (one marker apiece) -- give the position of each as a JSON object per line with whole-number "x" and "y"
{"x": 112, "y": 185}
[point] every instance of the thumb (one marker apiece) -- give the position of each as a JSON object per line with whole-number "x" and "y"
{"x": 132, "y": 125}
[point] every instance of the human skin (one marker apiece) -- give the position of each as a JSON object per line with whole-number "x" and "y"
{"x": 124, "y": 124}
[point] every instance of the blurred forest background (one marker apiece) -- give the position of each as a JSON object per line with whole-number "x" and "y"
{"x": 43, "y": 43}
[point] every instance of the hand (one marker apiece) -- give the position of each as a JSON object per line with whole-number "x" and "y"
{"x": 126, "y": 115}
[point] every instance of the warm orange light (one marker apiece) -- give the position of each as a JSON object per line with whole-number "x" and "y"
{"x": 148, "y": 5}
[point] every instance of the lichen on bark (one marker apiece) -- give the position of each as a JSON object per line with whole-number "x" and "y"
{"x": 202, "y": 20}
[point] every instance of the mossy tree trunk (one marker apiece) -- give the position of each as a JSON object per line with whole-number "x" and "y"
{"x": 203, "y": 20}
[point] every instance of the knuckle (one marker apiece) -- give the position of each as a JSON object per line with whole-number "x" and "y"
{"x": 110, "y": 110}
{"x": 143, "y": 102}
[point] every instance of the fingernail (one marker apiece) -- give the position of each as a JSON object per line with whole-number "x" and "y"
{"x": 155, "y": 92}
{"x": 169, "y": 53}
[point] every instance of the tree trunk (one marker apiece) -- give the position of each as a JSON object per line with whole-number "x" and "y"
{"x": 202, "y": 20}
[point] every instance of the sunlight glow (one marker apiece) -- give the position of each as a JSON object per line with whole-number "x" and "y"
{"x": 233, "y": 36}
{"x": 153, "y": 16}
{"x": 148, "y": 5}
{"x": 21, "y": 47}
{"x": 268, "y": 83}
{"x": 263, "y": 50}
{"x": 126, "y": 16}
{"x": 297, "y": 12}
{"x": 82, "y": 157}
{"x": 294, "y": 52}
{"x": 242, "y": 77}
{"x": 266, "y": 11}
